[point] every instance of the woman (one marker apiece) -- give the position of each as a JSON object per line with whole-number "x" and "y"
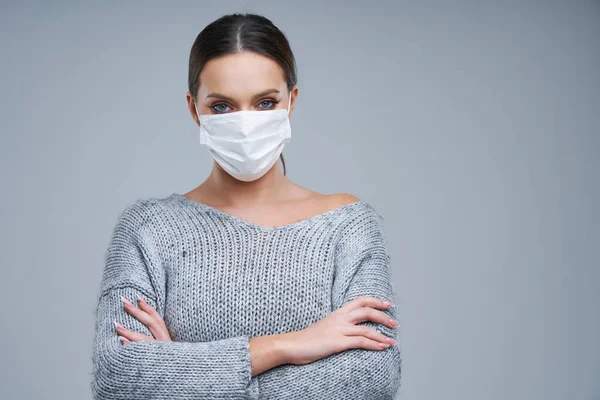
{"x": 248, "y": 286}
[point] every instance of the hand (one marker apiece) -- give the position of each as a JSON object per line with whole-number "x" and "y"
{"x": 338, "y": 332}
{"x": 147, "y": 315}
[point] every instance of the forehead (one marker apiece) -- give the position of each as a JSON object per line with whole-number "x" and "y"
{"x": 240, "y": 75}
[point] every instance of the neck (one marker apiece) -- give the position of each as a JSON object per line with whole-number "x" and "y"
{"x": 231, "y": 192}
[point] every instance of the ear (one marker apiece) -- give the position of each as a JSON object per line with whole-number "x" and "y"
{"x": 192, "y": 107}
{"x": 294, "y": 93}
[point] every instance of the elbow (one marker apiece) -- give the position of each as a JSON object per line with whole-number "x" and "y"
{"x": 109, "y": 363}
{"x": 371, "y": 374}
{"x": 393, "y": 370}
{"x": 385, "y": 375}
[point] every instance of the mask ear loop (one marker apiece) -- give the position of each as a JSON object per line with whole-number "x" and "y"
{"x": 289, "y": 104}
{"x": 196, "y": 108}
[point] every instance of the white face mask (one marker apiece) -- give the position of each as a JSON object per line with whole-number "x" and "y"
{"x": 246, "y": 144}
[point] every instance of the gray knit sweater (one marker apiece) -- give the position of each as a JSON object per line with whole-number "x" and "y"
{"x": 218, "y": 280}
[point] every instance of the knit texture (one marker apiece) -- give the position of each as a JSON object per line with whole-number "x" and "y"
{"x": 218, "y": 280}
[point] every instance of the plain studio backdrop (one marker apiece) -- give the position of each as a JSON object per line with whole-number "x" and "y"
{"x": 473, "y": 128}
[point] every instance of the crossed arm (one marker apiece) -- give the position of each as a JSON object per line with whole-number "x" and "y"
{"x": 154, "y": 368}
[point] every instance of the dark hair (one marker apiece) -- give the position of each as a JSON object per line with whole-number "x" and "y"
{"x": 236, "y": 33}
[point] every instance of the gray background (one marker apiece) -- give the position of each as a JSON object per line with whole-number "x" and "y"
{"x": 472, "y": 127}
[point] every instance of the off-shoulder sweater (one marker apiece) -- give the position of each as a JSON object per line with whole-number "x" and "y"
{"x": 218, "y": 280}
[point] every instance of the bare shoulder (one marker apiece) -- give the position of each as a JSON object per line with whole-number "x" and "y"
{"x": 321, "y": 202}
{"x": 336, "y": 200}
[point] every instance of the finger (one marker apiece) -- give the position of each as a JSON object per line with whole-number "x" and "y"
{"x": 369, "y": 314}
{"x": 130, "y": 335}
{"x": 143, "y": 304}
{"x": 155, "y": 325}
{"x": 366, "y": 301}
{"x": 356, "y": 330}
{"x": 124, "y": 340}
{"x": 138, "y": 314}
{"x": 158, "y": 327}
{"x": 362, "y": 342}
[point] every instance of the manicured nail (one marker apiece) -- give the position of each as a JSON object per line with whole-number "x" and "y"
{"x": 384, "y": 345}
{"x": 395, "y": 323}
{"x": 140, "y": 299}
{"x": 118, "y": 325}
{"x": 126, "y": 301}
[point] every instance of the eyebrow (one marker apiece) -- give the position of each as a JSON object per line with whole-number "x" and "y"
{"x": 261, "y": 94}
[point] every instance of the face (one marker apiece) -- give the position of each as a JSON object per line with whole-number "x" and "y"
{"x": 241, "y": 81}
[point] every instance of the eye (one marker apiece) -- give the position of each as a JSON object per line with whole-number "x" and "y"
{"x": 267, "y": 104}
{"x": 219, "y": 107}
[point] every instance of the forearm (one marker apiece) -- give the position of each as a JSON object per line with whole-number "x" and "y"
{"x": 164, "y": 369}
{"x": 357, "y": 374}
{"x": 267, "y": 352}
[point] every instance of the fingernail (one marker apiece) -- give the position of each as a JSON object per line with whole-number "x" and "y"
{"x": 387, "y": 303}
{"x": 140, "y": 298}
{"x": 395, "y": 323}
{"x": 126, "y": 301}
{"x": 118, "y": 325}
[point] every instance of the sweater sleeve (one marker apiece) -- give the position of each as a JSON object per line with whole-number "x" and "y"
{"x": 362, "y": 268}
{"x": 156, "y": 369}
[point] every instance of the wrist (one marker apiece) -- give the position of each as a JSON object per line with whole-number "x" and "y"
{"x": 268, "y": 352}
{"x": 282, "y": 347}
